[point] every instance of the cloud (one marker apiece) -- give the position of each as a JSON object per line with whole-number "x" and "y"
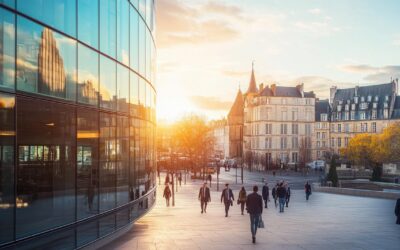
{"x": 315, "y": 11}
{"x": 373, "y": 73}
{"x": 181, "y": 23}
{"x": 322, "y": 27}
{"x": 210, "y": 103}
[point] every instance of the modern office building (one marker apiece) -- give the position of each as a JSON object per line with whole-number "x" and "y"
{"x": 77, "y": 120}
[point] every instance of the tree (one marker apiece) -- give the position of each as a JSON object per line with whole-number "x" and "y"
{"x": 332, "y": 174}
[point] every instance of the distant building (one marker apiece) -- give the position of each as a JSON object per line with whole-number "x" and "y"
{"x": 220, "y": 132}
{"x": 321, "y": 129}
{"x": 235, "y": 127}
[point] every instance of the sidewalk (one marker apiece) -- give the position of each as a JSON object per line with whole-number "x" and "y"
{"x": 326, "y": 221}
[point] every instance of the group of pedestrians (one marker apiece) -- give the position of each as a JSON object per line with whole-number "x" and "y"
{"x": 280, "y": 192}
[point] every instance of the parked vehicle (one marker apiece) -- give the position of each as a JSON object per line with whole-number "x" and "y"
{"x": 318, "y": 164}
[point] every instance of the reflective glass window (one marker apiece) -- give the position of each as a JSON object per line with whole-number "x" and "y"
{"x": 88, "y": 76}
{"x": 46, "y": 165}
{"x": 7, "y": 134}
{"x": 141, "y": 168}
{"x": 122, "y": 218}
{"x": 122, "y": 151}
{"x": 108, "y": 150}
{"x": 9, "y": 3}
{"x": 87, "y": 135}
{"x": 60, "y": 14}
{"x": 134, "y": 94}
{"x": 134, "y": 39}
{"x": 135, "y": 3}
{"x": 123, "y": 31}
{"x": 46, "y": 61}
{"x": 108, "y": 84}
{"x": 7, "y": 49}
{"x": 142, "y": 98}
{"x": 88, "y": 22}
{"x": 108, "y": 27}
{"x": 148, "y": 11}
{"x": 148, "y": 54}
{"x": 133, "y": 132}
{"x": 142, "y": 8}
{"x": 123, "y": 88}
{"x": 142, "y": 48}
{"x": 106, "y": 225}
{"x": 86, "y": 233}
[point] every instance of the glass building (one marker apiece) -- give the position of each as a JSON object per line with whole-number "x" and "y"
{"x": 77, "y": 120}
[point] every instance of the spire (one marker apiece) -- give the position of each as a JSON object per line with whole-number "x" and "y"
{"x": 252, "y": 85}
{"x": 238, "y": 105}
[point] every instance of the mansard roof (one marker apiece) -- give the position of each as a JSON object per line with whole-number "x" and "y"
{"x": 380, "y": 90}
{"x": 283, "y": 91}
{"x": 396, "y": 109}
{"x": 321, "y": 107}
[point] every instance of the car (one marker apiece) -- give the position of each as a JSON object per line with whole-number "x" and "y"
{"x": 318, "y": 164}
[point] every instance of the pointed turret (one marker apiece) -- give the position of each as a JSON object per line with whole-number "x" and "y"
{"x": 252, "y": 85}
{"x": 238, "y": 105}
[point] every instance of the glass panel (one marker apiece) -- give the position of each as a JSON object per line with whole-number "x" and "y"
{"x": 7, "y": 134}
{"x": 122, "y": 160}
{"x": 141, "y": 168}
{"x": 123, "y": 88}
{"x": 108, "y": 85}
{"x": 132, "y": 151}
{"x": 108, "y": 27}
{"x": 142, "y": 97}
{"x": 134, "y": 94}
{"x": 148, "y": 54}
{"x": 60, "y": 14}
{"x": 46, "y": 61}
{"x": 88, "y": 76}
{"x": 107, "y": 225}
{"x": 122, "y": 218}
{"x": 107, "y": 161}
{"x": 9, "y": 3}
{"x": 134, "y": 39}
{"x": 86, "y": 233}
{"x": 142, "y": 8}
{"x": 142, "y": 47}
{"x": 62, "y": 240}
{"x": 123, "y": 31}
{"x": 7, "y": 49}
{"x": 135, "y": 3}
{"x": 87, "y": 163}
{"x": 88, "y": 22}
{"x": 46, "y": 165}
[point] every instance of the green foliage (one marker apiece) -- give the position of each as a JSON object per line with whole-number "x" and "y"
{"x": 332, "y": 174}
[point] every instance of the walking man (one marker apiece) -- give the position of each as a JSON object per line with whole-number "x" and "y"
{"x": 227, "y": 198}
{"x": 397, "y": 211}
{"x": 287, "y": 194}
{"x": 281, "y": 193}
{"x": 273, "y": 192}
{"x": 167, "y": 194}
{"x": 265, "y": 194}
{"x": 204, "y": 197}
{"x": 254, "y": 208}
{"x": 307, "y": 189}
{"x": 180, "y": 179}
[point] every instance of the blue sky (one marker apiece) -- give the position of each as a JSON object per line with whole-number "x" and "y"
{"x": 205, "y": 48}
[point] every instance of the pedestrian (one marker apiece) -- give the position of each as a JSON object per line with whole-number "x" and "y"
{"x": 288, "y": 193}
{"x": 265, "y": 194}
{"x": 209, "y": 178}
{"x": 397, "y": 211}
{"x": 180, "y": 179}
{"x": 281, "y": 193}
{"x": 307, "y": 189}
{"x": 227, "y": 198}
{"x": 273, "y": 192}
{"x": 242, "y": 199}
{"x": 254, "y": 208}
{"x": 167, "y": 194}
{"x": 204, "y": 197}
{"x": 167, "y": 179}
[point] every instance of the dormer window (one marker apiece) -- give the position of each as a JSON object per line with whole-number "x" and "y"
{"x": 363, "y": 105}
{"x": 348, "y": 101}
{"x": 353, "y": 106}
{"x": 362, "y": 99}
{"x": 385, "y": 105}
{"x": 386, "y": 98}
{"x": 369, "y": 98}
{"x": 347, "y": 107}
{"x": 376, "y": 98}
{"x": 375, "y": 105}
{"x": 340, "y": 102}
{"x": 356, "y": 99}
{"x": 339, "y": 107}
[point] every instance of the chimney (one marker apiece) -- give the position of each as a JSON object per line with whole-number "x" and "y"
{"x": 395, "y": 84}
{"x": 273, "y": 88}
{"x": 261, "y": 87}
{"x": 332, "y": 91}
{"x": 300, "y": 88}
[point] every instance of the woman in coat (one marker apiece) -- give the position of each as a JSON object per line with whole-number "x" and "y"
{"x": 242, "y": 198}
{"x": 167, "y": 194}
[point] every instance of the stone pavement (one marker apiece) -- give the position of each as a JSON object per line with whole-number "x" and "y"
{"x": 326, "y": 221}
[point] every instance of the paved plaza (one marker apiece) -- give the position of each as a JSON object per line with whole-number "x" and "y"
{"x": 326, "y": 221}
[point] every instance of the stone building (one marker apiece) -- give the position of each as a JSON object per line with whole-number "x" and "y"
{"x": 235, "y": 126}
{"x": 320, "y": 138}
{"x": 220, "y": 132}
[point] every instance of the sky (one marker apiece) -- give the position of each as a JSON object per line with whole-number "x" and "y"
{"x": 205, "y": 49}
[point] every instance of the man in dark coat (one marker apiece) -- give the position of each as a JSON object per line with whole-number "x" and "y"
{"x": 254, "y": 208}
{"x": 397, "y": 211}
{"x": 167, "y": 194}
{"x": 281, "y": 193}
{"x": 227, "y": 198}
{"x": 204, "y": 197}
{"x": 307, "y": 189}
{"x": 273, "y": 192}
{"x": 265, "y": 194}
{"x": 288, "y": 193}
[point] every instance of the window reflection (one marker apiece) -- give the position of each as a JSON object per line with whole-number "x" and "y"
{"x": 108, "y": 85}
{"x": 123, "y": 31}
{"x": 122, "y": 151}
{"x": 108, "y": 27}
{"x": 7, "y": 49}
{"x": 7, "y": 133}
{"x": 142, "y": 47}
{"x": 88, "y": 75}
{"x": 46, "y": 165}
{"x": 87, "y": 163}
{"x": 134, "y": 39}
{"x": 88, "y": 22}
{"x": 123, "y": 88}
{"x": 60, "y": 14}
{"x": 134, "y": 94}
{"x": 46, "y": 61}
{"x": 108, "y": 150}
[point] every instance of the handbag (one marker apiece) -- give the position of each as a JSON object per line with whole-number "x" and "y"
{"x": 260, "y": 223}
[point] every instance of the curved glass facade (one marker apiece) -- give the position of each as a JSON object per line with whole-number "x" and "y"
{"x": 77, "y": 120}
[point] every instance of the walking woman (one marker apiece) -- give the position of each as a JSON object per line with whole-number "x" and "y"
{"x": 167, "y": 194}
{"x": 242, "y": 198}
